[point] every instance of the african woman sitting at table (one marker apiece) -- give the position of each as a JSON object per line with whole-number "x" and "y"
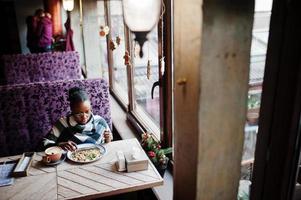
{"x": 81, "y": 126}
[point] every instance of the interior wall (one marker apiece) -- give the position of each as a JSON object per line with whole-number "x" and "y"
{"x": 9, "y": 37}
{"x": 86, "y": 37}
{"x": 91, "y": 38}
{"x": 64, "y": 18}
{"x": 77, "y": 35}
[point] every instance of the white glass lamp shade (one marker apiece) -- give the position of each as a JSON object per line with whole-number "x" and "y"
{"x": 68, "y": 5}
{"x": 141, "y": 15}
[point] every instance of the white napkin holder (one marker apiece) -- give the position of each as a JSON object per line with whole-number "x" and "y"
{"x": 136, "y": 160}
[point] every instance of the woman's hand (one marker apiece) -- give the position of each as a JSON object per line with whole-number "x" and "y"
{"x": 69, "y": 146}
{"x": 107, "y": 136}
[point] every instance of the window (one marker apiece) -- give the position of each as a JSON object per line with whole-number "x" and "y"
{"x": 117, "y": 49}
{"x": 132, "y": 85}
{"x": 102, "y": 40}
{"x": 145, "y": 107}
{"x": 260, "y": 35}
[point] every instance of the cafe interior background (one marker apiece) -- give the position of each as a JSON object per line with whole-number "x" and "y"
{"x": 222, "y": 69}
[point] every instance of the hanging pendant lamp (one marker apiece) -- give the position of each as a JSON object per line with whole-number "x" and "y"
{"x": 68, "y": 5}
{"x": 141, "y": 16}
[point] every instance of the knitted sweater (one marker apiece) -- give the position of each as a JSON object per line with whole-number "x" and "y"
{"x": 67, "y": 128}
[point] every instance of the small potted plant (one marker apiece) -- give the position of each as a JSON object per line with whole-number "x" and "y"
{"x": 154, "y": 151}
{"x": 253, "y": 109}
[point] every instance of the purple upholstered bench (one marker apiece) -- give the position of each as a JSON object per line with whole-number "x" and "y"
{"x": 28, "y": 111}
{"x": 40, "y": 67}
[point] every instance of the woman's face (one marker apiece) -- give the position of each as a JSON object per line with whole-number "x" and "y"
{"x": 81, "y": 112}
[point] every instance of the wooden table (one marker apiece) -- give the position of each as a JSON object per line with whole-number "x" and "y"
{"x": 81, "y": 181}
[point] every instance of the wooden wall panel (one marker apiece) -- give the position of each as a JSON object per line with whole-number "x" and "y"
{"x": 54, "y": 8}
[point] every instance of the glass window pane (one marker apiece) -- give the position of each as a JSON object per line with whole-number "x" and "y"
{"x": 257, "y": 65}
{"x": 103, "y": 41}
{"x": 260, "y": 35}
{"x": 120, "y": 86}
{"x": 146, "y": 107}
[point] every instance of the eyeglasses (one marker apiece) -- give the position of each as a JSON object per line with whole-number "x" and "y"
{"x": 82, "y": 114}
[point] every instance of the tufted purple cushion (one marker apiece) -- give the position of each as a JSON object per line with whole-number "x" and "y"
{"x": 50, "y": 66}
{"x": 27, "y": 112}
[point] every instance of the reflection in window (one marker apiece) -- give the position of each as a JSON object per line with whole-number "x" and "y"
{"x": 113, "y": 46}
{"x": 144, "y": 105}
{"x": 120, "y": 86}
{"x": 103, "y": 41}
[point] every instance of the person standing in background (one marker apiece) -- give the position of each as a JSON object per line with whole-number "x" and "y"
{"x": 32, "y": 25}
{"x": 44, "y": 33}
{"x": 69, "y": 35}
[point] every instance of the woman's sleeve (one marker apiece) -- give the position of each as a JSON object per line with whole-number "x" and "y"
{"x": 101, "y": 123}
{"x": 101, "y": 127}
{"x": 55, "y": 132}
{"x": 107, "y": 127}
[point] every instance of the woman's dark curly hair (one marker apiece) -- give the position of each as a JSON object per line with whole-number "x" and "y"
{"x": 77, "y": 95}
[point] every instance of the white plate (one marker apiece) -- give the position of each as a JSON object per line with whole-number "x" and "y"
{"x": 101, "y": 148}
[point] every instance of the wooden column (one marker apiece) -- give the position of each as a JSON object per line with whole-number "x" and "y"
{"x": 225, "y": 62}
{"x": 54, "y": 8}
{"x": 187, "y": 51}
{"x": 212, "y": 42}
